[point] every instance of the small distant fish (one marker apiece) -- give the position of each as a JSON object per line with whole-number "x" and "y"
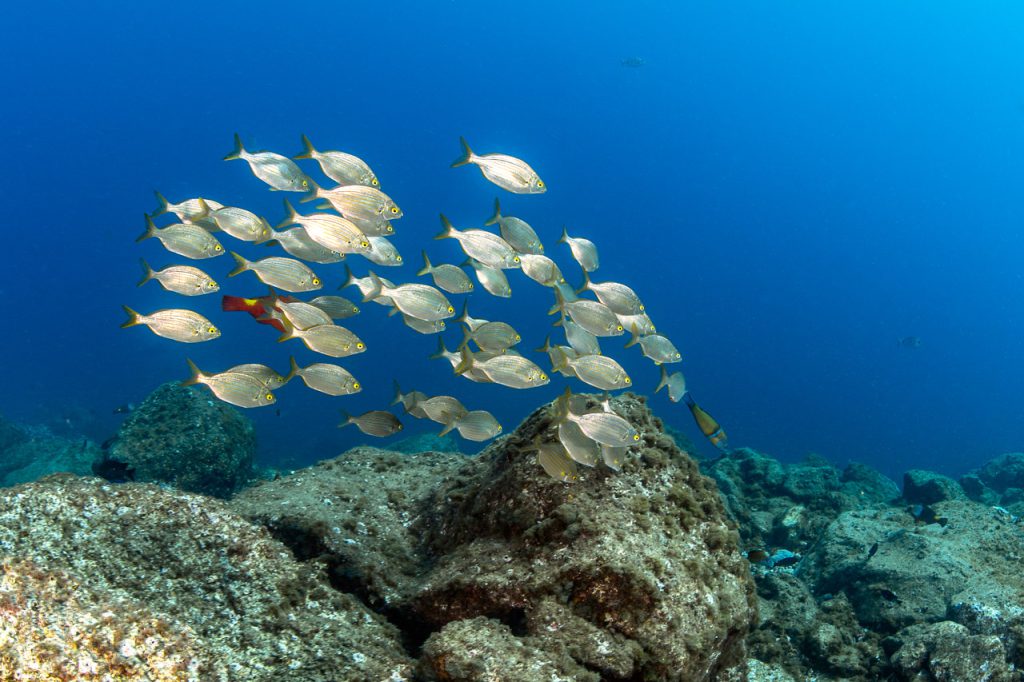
{"x": 583, "y": 250}
{"x": 633, "y": 62}
{"x": 337, "y": 307}
{"x": 909, "y": 342}
{"x": 176, "y": 324}
{"x": 276, "y": 170}
{"x": 556, "y": 462}
{"x": 757, "y": 556}
{"x": 327, "y": 339}
{"x": 656, "y": 347}
{"x": 282, "y": 273}
{"x": 184, "y": 239}
{"x": 344, "y": 169}
{"x": 357, "y": 202}
{"x": 242, "y": 390}
{"x": 265, "y": 375}
{"x": 181, "y": 279}
{"x": 373, "y": 423}
{"x": 619, "y": 298}
{"x": 675, "y": 383}
{"x": 477, "y": 425}
{"x": 481, "y": 245}
{"x": 505, "y": 171}
{"x": 491, "y": 279}
{"x": 382, "y": 252}
{"x": 297, "y": 242}
{"x": 189, "y": 211}
{"x": 127, "y": 408}
{"x": 451, "y": 278}
{"x": 516, "y": 232}
{"x": 326, "y": 378}
{"x": 421, "y": 301}
{"x": 513, "y": 371}
{"x": 922, "y": 513}
{"x": 241, "y": 224}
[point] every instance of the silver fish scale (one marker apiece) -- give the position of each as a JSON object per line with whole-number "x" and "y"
{"x": 178, "y": 324}
{"x": 278, "y": 171}
{"x": 285, "y": 273}
{"x": 238, "y": 389}
{"x": 507, "y": 172}
{"x": 487, "y": 248}
{"x": 297, "y": 242}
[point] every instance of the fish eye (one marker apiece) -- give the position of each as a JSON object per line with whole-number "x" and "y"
{"x": 515, "y": 259}
{"x": 374, "y": 182}
{"x": 394, "y": 209}
{"x": 211, "y": 284}
{"x": 618, "y": 327}
{"x": 636, "y": 436}
{"x": 364, "y": 244}
{"x": 540, "y": 183}
{"x": 356, "y": 386}
{"x": 316, "y": 281}
{"x": 218, "y": 248}
{"x": 518, "y": 338}
{"x": 305, "y": 183}
{"x": 398, "y": 258}
{"x": 451, "y": 309}
{"x": 269, "y": 396}
{"x": 389, "y": 229}
{"x": 212, "y": 330}
{"x": 543, "y": 376}
{"x": 627, "y": 380}
{"x": 641, "y": 307}
{"x": 360, "y": 345}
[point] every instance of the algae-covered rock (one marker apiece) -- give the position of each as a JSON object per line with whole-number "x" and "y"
{"x": 928, "y": 487}
{"x": 189, "y": 439}
{"x": 123, "y": 577}
{"x": 1005, "y": 471}
{"x": 948, "y": 652}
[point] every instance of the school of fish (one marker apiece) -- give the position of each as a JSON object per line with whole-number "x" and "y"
{"x": 355, "y": 220}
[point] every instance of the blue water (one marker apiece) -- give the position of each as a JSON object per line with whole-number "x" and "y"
{"x": 790, "y": 188}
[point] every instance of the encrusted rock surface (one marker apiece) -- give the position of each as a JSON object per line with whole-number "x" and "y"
{"x": 928, "y": 487}
{"x": 618, "y": 576}
{"x": 123, "y": 578}
{"x": 187, "y": 438}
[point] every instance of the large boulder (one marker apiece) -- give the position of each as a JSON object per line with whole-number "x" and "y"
{"x": 928, "y": 487}
{"x": 29, "y": 452}
{"x": 187, "y": 438}
{"x": 103, "y": 581}
{"x": 617, "y": 576}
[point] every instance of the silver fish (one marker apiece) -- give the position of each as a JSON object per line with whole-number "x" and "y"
{"x": 675, "y": 383}
{"x": 423, "y": 326}
{"x": 595, "y": 317}
{"x": 491, "y": 279}
{"x": 330, "y": 231}
{"x": 642, "y": 322}
{"x": 176, "y": 324}
{"x": 373, "y": 423}
{"x": 613, "y": 457}
{"x": 489, "y": 249}
{"x": 356, "y": 202}
{"x": 555, "y": 354}
{"x": 282, "y": 273}
{"x": 365, "y": 286}
{"x": 181, "y": 279}
{"x": 541, "y": 269}
{"x": 606, "y": 428}
{"x": 265, "y": 375}
{"x": 516, "y": 232}
{"x": 619, "y": 298}
{"x": 241, "y": 224}
{"x": 302, "y": 315}
{"x": 513, "y": 371}
{"x": 442, "y": 409}
{"x": 378, "y": 226}
{"x": 505, "y": 171}
{"x": 236, "y": 388}
{"x": 276, "y": 170}
{"x": 410, "y": 401}
{"x": 600, "y": 371}
{"x": 326, "y": 378}
{"x": 453, "y": 358}
{"x": 189, "y": 211}
{"x": 556, "y": 462}
{"x": 451, "y": 278}
{"x": 297, "y": 242}
{"x": 344, "y": 169}
{"x": 421, "y": 301}
{"x": 492, "y": 336}
{"x": 581, "y": 341}
{"x": 477, "y": 425}
{"x": 184, "y": 239}
{"x": 383, "y": 252}
{"x": 328, "y": 339}
{"x": 583, "y": 250}
{"x": 337, "y": 307}
{"x": 580, "y": 447}
{"x": 656, "y": 347}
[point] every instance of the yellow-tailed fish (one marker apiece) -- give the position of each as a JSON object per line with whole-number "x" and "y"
{"x": 176, "y": 324}
{"x": 477, "y": 425}
{"x": 303, "y": 315}
{"x": 297, "y": 242}
{"x": 327, "y": 339}
{"x": 337, "y": 307}
{"x": 619, "y": 298}
{"x": 236, "y": 388}
{"x": 492, "y": 336}
{"x": 451, "y": 278}
{"x": 421, "y": 301}
{"x": 583, "y": 250}
{"x": 373, "y": 423}
{"x": 556, "y": 462}
{"x": 541, "y": 269}
{"x": 642, "y": 323}
{"x": 265, "y": 375}
{"x": 357, "y": 202}
{"x": 424, "y": 326}
{"x": 410, "y": 401}
{"x": 283, "y": 273}
{"x": 656, "y": 347}
{"x": 241, "y": 224}
{"x": 181, "y": 279}
{"x": 491, "y": 279}
{"x": 365, "y": 286}
{"x": 593, "y": 316}
{"x": 344, "y": 169}
{"x": 190, "y": 210}
{"x": 599, "y": 371}
{"x": 326, "y": 378}
{"x": 276, "y": 170}
{"x": 489, "y": 249}
{"x": 516, "y": 232}
{"x": 505, "y": 171}
{"x": 382, "y": 252}
{"x": 674, "y": 382}
{"x": 513, "y": 371}
{"x": 184, "y": 239}
{"x": 579, "y": 446}
{"x": 330, "y": 231}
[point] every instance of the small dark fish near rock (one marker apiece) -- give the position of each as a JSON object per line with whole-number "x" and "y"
{"x": 922, "y": 513}
{"x": 909, "y": 342}
{"x": 112, "y": 469}
{"x": 757, "y": 556}
{"x": 634, "y": 62}
{"x": 888, "y": 595}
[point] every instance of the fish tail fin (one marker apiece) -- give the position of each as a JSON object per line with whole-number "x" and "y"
{"x": 586, "y": 283}
{"x": 441, "y": 350}
{"x": 150, "y": 230}
{"x": 346, "y": 419}
{"x": 147, "y": 272}
{"x": 559, "y": 305}
{"x": 635, "y": 331}
{"x": 448, "y": 230}
{"x": 204, "y": 210}
{"x": 375, "y": 289}
{"x": 289, "y": 329}
{"x": 241, "y": 265}
{"x": 314, "y": 192}
{"x": 398, "y": 393}
{"x": 449, "y": 424}
{"x": 133, "y": 318}
{"x": 467, "y": 154}
{"x": 560, "y": 361}
{"x": 467, "y": 335}
{"x": 293, "y": 369}
{"x": 497, "y": 213}
{"x": 464, "y": 317}
{"x": 664, "y": 379}
{"x": 238, "y": 151}
{"x": 546, "y": 347}
{"x": 195, "y": 374}
{"x": 231, "y": 304}
{"x": 466, "y": 363}
{"x": 350, "y": 278}
{"x": 564, "y": 239}
{"x": 425, "y": 270}
{"x": 307, "y": 149}
{"x": 164, "y": 204}
{"x": 290, "y": 218}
